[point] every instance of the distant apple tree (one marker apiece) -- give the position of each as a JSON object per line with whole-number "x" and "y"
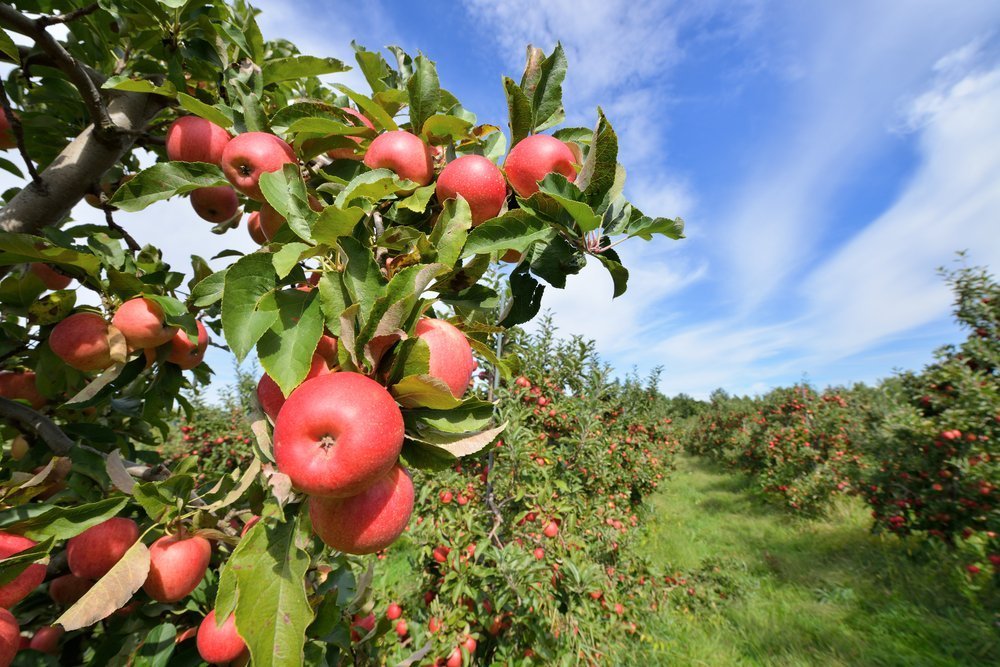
{"x": 393, "y": 251}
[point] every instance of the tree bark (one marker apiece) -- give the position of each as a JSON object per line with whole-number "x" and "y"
{"x": 70, "y": 176}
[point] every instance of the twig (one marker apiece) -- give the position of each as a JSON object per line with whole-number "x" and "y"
{"x": 109, "y": 219}
{"x": 78, "y": 73}
{"x": 15, "y": 126}
{"x": 48, "y": 20}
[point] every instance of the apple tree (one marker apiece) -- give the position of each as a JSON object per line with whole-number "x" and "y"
{"x": 392, "y": 254}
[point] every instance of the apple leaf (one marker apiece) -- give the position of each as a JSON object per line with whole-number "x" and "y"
{"x": 555, "y": 260}
{"x": 472, "y": 415}
{"x": 286, "y": 348}
{"x": 164, "y": 180}
{"x": 157, "y": 647}
{"x": 63, "y": 523}
{"x": 247, "y": 282}
{"x": 644, "y": 227}
{"x": 266, "y": 577}
{"x": 417, "y": 201}
{"x": 514, "y": 230}
{"x": 424, "y": 391}
{"x": 433, "y": 449}
{"x": 376, "y": 70}
{"x": 570, "y": 198}
{"x": 373, "y": 185}
{"x": 334, "y": 222}
{"x": 297, "y": 67}
{"x": 12, "y": 566}
{"x": 18, "y": 248}
{"x": 619, "y": 274}
{"x": 546, "y": 98}
{"x": 379, "y": 117}
{"x": 425, "y": 92}
{"x": 518, "y": 110}
{"x": 444, "y": 126}
{"x": 111, "y": 592}
{"x": 526, "y": 298}
{"x": 362, "y": 278}
{"x": 286, "y": 117}
{"x": 412, "y": 357}
{"x": 209, "y": 289}
{"x": 599, "y": 171}
{"x": 451, "y": 230}
{"x": 286, "y": 193}
{"x": 9, "y": 48}
{"x": 333, "y": 300}
{"x": 222, "y": 117}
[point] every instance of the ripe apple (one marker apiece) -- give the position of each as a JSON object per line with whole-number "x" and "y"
{"x": 393, "y": 612}
{"x": 219, "y": 645}
{"x": 551, "y": 529}
{"x": 81, "y": 340}
{"x": 401, "y": 628}
{"x": 361, "y": 626}
{"x": 194, "y": 139}
{"x": 402, "y": 152}
{"x": 143, "y": 324}
{"x": 369, "y": 521}
{"x": 177, "y": 564}
{"x": 348, "y": 153}
{"x": 251, "y": 154}
{"x": 68, "y": 588}
{"x": 451, "y": 355}
{"x": 46, "y": 639}
{"x": 216, "y": 204}
{"x": 253, "y": 226}
{"x": 269, "y": 393}
{"x": 534, "y": 158}
{"x": 16, "y": 590}
{"x": 338, "y": 434}
{"x": 183, "y": 352}
{"x": 21, "y": 385}
{"x": 479, "y": 181}
{"x": 96, "y": 550}
{"x": 10, "y": 637}
{"x": 51, "y": 278}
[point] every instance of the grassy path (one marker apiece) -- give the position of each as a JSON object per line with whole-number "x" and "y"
{"x": 821, "y": 592}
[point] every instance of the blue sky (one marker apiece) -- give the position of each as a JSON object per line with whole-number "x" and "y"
{"x": 827, "y": 157}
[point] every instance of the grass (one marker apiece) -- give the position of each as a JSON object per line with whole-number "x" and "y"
{"x": 809, "y": 592}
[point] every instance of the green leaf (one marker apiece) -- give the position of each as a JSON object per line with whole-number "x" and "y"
{"x": 297, "y": 67}
{"x": 288, "y": 257}
{"x": 619, "y": 274}
{"x": 63, "y": 523}
{"x": 375, "y": 113}
{"x": 209, "y": 290}
{"x": 157, "y": 647}
{"x": 514, "y": 230}
{"x": 546, "y": 102}
{"x": 569, "y": 197}
{"x": 159, "y": 499}
{"x": 425, "y": 92}
{"x": 472, "y": 415}
{"x": 424, "y": 391}
{"x": 451, "y": 230}
{"x": 417, "y": 201}
{"x": 9, "y": 166}
{"x": 373, "y": 185}
{"x": 442, "y": 126}
{"x": 164, "y": 180}
{"x": 111, "y": 592}
{"x": 12, "y": 566}
{"x": 518, "y": 110}
{"x": 206, "y": 111}
{"x": 526, "y": 298}
{"x": 286, "y": 192}
{"x": 555, "y": 260}
{"x": 376, "y": 70}
{"x": 286, "y": 349}
{"x": 362, "y": 278}
{"x": 124, "y": 82}
{"x": 287, "y": 116}
{"x": 598, "y": 174}
{"x": 247, "y": 282}
{"x": 644, "y": 227}
{"x": 456, "y": 445}
{"x": 20, "y": 248}
{"x": 334, "y": 222}
{"x": 9, "y": 48}
{"x": 272, "y": 609}
{"x": 333, "y": 300}
{"x": 412, "y": 357}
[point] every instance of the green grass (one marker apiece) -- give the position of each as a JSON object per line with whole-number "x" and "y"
{"x": 809, "y": 592}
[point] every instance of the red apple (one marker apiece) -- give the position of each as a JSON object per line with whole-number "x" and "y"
{"x": 217, "y": 204}
{"x": 348, "y": 153}
{"x": 68, "y": 588}
{"x": 338, "y": 434}
{"x": 7, "y": 138}
{"x": 177, "y": 564}
{"x": 96, "y": 550}
{"x": 269, "y": 393}
{"x": 361, "y": 626}
{"x": 401, "y": 628}
{"x": 14, "y": 591}
{"x": 183, "y": 352}
{"x": 369, "y": 521}
{"x": 50, "y": 277}
{"x": 46, "y": 639}
{"x": 479, "y": 181}
{"x": 534, "y": 158}
{"x": 455, "y": 659}
{"x": 253, "y": 226}
{"x": 251, "y": 154}
{"x": 551, "y": 529}
{"x": 21, "y": 386}
{"x": 402, "y": 152}
{"x": 81, "y": 340}
{"x": 451, "y": 355}
{"x": 194, "y": 139}
{"x": 219, "y": 645}
{"x": 143, "y": 324}
{"x": 393, "y": 612}
{"x": 10, "y": 637}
